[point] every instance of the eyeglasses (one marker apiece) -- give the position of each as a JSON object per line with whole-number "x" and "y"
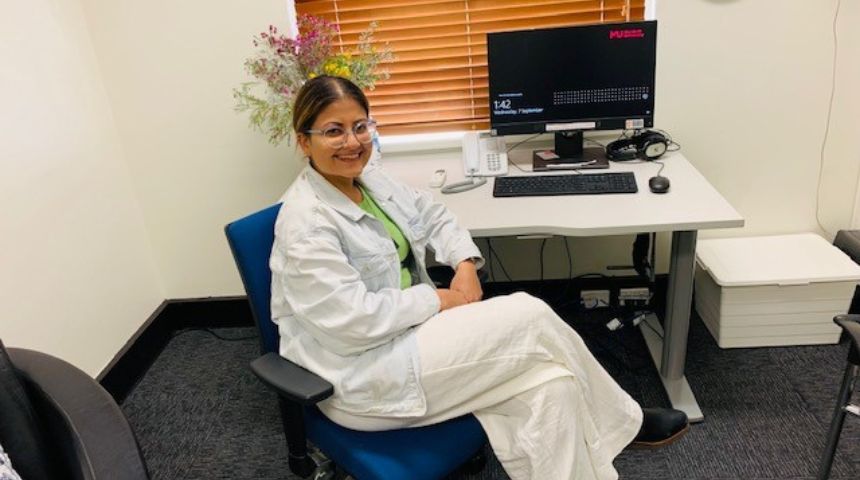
{"x": 336, "y": 136}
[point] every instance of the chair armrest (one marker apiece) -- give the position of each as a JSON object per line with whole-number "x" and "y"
{"x": 851, "y": 325}
{"x": 290, "y": 380}
{"x": 849, "y": 242}
{"x": 83, "y": 421}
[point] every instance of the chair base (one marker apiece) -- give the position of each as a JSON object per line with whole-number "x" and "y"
{"x": 302, "y": 466}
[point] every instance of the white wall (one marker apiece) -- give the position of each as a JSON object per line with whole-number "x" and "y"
{"x": 745, "y": 86}
{"x": 77, "y": 274}
{"x": 841, "y": 174}
{"x": 169, "y": 68}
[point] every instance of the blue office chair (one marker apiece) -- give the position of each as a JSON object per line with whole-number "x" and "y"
{"x": 410, "y": 454}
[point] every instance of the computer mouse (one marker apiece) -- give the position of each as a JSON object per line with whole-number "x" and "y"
{"x": 658, "y": 184}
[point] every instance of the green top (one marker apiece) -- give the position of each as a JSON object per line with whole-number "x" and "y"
{"x": 369, "y": 205}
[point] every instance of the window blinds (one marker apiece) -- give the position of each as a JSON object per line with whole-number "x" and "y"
{"x": 439, "y": 75}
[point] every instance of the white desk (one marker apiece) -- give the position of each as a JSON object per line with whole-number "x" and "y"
{"x": 691, "y": 204}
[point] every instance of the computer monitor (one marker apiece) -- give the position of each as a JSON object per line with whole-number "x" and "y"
{"x": 568, "y": 80}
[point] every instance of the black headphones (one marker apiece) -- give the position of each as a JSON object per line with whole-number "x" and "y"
{"x": 647, "y": 145}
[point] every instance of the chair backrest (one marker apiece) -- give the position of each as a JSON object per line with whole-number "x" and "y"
{"x": 58, "y": 422}
{"x": 423, "y": 453}
{"x": 251, "y": 240}
{"x": 20, "y": 433}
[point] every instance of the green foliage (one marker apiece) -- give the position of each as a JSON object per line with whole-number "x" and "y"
{"x": 281, "y": 66}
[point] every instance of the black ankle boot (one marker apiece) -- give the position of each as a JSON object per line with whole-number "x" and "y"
{"x": 661, "y": 426}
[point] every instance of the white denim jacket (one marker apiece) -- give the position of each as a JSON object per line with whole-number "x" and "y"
{"x": 336, "y": 293}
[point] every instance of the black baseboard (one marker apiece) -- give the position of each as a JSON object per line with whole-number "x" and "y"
{"x": 131, "y": 364}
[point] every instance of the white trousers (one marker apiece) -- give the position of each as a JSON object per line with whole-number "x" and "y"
{"x": 549, "y": 409}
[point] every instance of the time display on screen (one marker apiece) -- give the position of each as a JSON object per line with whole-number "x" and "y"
{"x": 504, "y": 105}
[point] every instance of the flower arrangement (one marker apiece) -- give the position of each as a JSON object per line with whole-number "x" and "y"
{"x": 282, "y": 65}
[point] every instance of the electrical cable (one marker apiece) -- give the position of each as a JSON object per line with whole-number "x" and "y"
{"x": 517, "y": 166}
{"x": 542, "y": 246}
{"x": 567, "y": 283}
{"x": 490, "y": 262}
{"x": 499, "y": 259}
{"x": 541, "y": 284}
{"x": 522, "y": 142}
{"x": 644, "y": 362}
{"x": 648, "y": 324}
{"x": 672, "y": 142}
{"x": 827, "y": 130}
{"x": 517, "y": 145}
{"x": 569, "y": 259}
{"x": 653, "y": 261}
{"x": 213, "y": 333}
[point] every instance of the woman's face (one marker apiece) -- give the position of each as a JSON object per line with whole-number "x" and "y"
{"x": 346, "y": 162}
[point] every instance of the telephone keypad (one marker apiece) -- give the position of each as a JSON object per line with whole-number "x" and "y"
{"x": 493, "y": 162}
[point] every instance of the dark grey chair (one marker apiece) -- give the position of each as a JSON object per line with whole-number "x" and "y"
{"x": 58, "y": 422}
{"x": 851, "y": 326}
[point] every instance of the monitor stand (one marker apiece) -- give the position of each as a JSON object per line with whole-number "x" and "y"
{"x": 569, "y": 154}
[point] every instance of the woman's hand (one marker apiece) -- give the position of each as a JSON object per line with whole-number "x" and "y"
{"x": 466, "y": 281}
{"x": 450, "y": 299}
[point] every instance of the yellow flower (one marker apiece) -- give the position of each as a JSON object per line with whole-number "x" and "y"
{"x": 312, "y": 75}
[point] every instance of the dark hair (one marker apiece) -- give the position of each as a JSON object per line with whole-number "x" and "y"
{"x": 320, "y": 92}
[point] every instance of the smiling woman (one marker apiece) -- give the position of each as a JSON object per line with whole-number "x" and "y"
{"x": 354, "y": 304}
{"x": 336, "y": 139}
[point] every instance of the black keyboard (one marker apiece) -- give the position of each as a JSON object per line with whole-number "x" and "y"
{"x": 582, "y": 184}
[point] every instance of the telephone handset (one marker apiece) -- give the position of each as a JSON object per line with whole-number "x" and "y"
{"x": 484, "y": 155}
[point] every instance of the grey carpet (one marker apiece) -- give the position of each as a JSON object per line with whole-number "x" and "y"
{"x": 200, "y": 414}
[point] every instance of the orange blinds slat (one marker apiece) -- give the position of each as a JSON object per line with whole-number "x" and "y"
{"x": 429, "y": 80}
{"x": 439, "y": 75}
{"x": 427, "y": 96}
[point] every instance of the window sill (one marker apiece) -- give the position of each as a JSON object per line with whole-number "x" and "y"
{"x": 420, "y": 142}
{"x": 426, "y": 142}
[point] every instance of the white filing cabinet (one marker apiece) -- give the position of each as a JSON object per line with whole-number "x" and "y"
{"x": 772, "y": 290}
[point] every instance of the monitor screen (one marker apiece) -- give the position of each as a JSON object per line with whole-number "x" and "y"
{"x": 591, "y": 77}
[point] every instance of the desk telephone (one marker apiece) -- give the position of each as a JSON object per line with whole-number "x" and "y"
{"x": 484, "y": 155}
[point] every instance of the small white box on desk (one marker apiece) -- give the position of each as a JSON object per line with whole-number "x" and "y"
{"x": 774, "y": 290}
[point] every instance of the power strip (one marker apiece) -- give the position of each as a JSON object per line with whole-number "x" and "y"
{"x": 636, "y": 296}
{"x": 591, "y": 299}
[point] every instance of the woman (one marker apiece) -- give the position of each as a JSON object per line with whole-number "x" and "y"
{"x": 354, "y": 304}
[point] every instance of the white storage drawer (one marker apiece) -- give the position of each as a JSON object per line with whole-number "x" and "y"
{"x": 775, "y": 290}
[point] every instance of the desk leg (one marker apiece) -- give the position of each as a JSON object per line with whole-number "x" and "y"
{"x": 670, "y": 354}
